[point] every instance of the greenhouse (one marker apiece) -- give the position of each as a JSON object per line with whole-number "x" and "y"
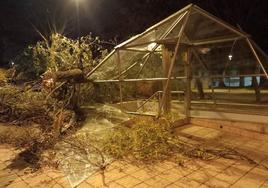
{"x": 192, "y": 60}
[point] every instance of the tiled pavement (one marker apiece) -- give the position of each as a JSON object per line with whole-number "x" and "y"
{"x": 196, "y": 173}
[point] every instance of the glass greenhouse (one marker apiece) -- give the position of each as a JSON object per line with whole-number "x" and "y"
{"x": 190, "y": 60}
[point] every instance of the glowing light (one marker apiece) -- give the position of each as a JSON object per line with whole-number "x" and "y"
{"x": 153, "y": 46}
{"x": 141, "y": 64}
{"x": 204, "y": 50}
{"x": 230, "y": 57}
{"x": 77, "y": 1}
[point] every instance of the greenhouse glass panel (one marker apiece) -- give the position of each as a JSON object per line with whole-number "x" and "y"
{"x": 156, "y": 34}
{"x": 107, "y": 70}
{"x": 200, "y": 27}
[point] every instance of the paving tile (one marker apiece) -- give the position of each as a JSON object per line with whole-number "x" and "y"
{"x": 226, "y": 162}
{"x": 199, "y": 176}
{"x": 231, "y": 175}
{"x": 264, "y": 148}
{"x": 7, "y": 178}
{"x": 143, "y": 174}
{"x": 173, "y": 174}
{"x": 6, "y": 172}
{"x": 129, "y": 168}
{"x": 172, "y": 185}
{"x": 2, "y": 166}
{"x": 254, "y": 155}
{"x": 217, "y": 183}
{"x": 157, "y": 181}
{"x": 244, "y": 165}
{"x": 54, "y": 174}
{"x": 142, "y": 185}
{"x": 19, "y": 184}
{"x": 205, "y": 186}
{"x": 186, "y": 183}
{"x": 6, "y": 155}
{"x": 213, "y": 167}
{"x": 114, "y": 175}
{"x": 265, "y": 184}
{"x": 192, "y": 165}
{"x": 114, "y": 185}
{"x": 58, "y": 186}
{"x": 158, "y": 168}
{"x": 63, "y": 182}
{"x": 39, "y": 180}
{"x": 255, "y": 178}
{"x": 168, "y": 165}
{"x": 128, "y": 181}
{"x": 96, "y": 180}
{"x": 84, "y": 185}
{"x": 265, "y": 162}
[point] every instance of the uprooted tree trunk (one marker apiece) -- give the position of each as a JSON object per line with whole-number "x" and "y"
{"x": 75, "y": 75}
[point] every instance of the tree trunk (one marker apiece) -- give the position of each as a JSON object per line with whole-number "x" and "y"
{"x": 241, "y": 82}
{"x": 75, "y": 75}
{"x": 256, "y": 87}
{"x": 200, "y": 90}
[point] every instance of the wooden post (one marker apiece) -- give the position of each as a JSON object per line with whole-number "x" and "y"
{"x": 157, "y": 45}
{"x": 241, "y": 81}
{"x": 256, "y": 88}
{"x": 167, "y": 56}
{"x": 187, "y": 93}
{"x": 120, "y": 79}
{"x": 174, "y": 58}
{"x": 200, "y": 90}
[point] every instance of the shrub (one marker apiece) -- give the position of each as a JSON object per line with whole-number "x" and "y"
{"x": 21, "y": 106}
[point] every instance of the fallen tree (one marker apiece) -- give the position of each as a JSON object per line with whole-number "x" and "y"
{"x": 51, "y": 104}
{"x": 74, "y": 75}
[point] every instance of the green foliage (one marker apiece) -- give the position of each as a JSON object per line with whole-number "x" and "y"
{"x": 148, "y": 140}
{"x": 32, "y": 62}
{"x": 64, "y": 52}
{"x": 58, "y": 53}
{"x": 19, "y": 136}
{"x": 3, "y": 76}
{"x": 18, "y": 106}
{"x": 144, "y": 140}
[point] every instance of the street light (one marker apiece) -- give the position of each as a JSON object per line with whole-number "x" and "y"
{"x": 77, "y": 1}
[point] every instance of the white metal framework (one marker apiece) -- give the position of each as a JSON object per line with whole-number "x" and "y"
{"x": 189, "y": 44}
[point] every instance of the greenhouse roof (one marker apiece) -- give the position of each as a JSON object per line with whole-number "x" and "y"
{"x": 214, "y": 45}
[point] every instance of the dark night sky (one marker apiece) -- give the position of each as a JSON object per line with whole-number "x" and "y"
{"x": 114, "y": 18}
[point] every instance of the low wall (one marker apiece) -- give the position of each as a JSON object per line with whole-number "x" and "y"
{"x": 250, "y": 129}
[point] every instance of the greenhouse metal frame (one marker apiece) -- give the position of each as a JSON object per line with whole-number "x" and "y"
{"x": 186, "y": 32}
